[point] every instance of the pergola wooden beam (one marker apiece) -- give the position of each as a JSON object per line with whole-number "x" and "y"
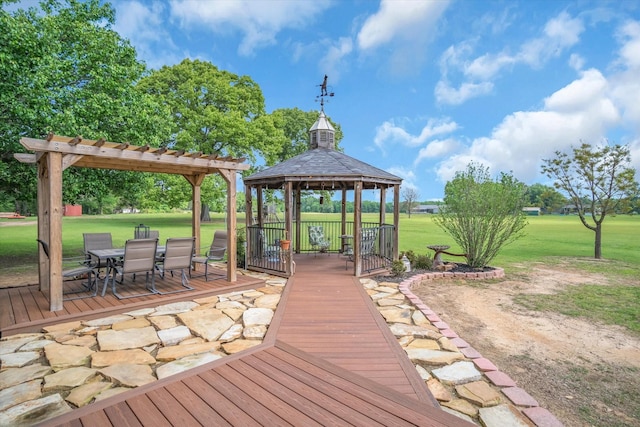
{"x": 56, "y": 153}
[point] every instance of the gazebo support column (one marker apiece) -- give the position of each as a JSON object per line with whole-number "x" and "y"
{"x": 383, "y": 207}
{"x": 298, "y": 219}
{"x": 396, "y": 220}
{"x": 357, "y": 228}
{"x": 288, "y": 218}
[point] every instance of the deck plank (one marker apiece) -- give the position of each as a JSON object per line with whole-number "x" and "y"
{"x": 328, "y": 358}
{"x": 26, "y": 309}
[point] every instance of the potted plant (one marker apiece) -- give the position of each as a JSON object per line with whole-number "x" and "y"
{"x": 284, "y": 243}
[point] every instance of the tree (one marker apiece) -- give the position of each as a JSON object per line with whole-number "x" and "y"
{"x": 64, "y": 70}
{"x": 410, "y": 196}
{"x": 598, "y": 180}
{"x": 213, "y": 111}
{"x": 482, "y": 215}
{"x": 548, "y": 199}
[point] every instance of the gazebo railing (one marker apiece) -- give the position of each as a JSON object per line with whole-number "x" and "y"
{"x": 264, "y": 252}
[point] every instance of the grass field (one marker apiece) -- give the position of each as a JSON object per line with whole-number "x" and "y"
{"x": 545, "y": 236}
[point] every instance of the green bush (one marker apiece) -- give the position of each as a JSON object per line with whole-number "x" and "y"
{"x": 241, "y": 236}
{"x": 397, "y": 268}
{"x": 422, "y": 262}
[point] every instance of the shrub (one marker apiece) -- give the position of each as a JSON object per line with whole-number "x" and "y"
{"x": 422, "y": 262}
{"x": 482, "y": 215}
{"x": 397, "y": 268}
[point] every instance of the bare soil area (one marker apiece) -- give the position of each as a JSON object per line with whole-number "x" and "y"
{"x": 586, "y": 374}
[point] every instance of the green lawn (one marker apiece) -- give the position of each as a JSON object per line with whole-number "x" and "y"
{"x": 546, "y": 236}
{"x": 548, "y": 239}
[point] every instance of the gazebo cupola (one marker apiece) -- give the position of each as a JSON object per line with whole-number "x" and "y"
{"x": 322, "y": 134}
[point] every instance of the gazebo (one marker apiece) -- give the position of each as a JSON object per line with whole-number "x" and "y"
{"x": 320, "y": 168}
{"x": 56, "y": 153}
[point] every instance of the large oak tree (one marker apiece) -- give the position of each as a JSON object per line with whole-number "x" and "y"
{"x": 64, "y": 70}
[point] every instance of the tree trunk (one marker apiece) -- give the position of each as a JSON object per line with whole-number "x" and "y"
{"x": 204, "y": 216}
{"x": 598, "y": 243}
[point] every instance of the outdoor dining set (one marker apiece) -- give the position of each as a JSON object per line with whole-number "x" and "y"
{"x": 108, "y": 266}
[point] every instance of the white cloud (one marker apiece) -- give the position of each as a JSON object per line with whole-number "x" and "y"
{"x": 576, "y": 61}
{"x": 437, "y": 148}
{"x": 407, "y": 175}
{"x": 142, "y": 24}
{"x": 391, "y": 133}
{"x": 398, "y": 19}
{"x": 445, "y": 94}
{"x": 334, "y": 62}
{"x": 582, "y": 110}
{"x": 258, "y": 21}
{"x": 559, "y": 33}
{"x": 407, "y": 26}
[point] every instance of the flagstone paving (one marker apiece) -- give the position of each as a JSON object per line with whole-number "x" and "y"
{"x": 71, "y": 365}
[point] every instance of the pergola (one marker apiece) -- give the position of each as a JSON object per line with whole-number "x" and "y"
{"x": 323, "y": 168}
{"x": 56, "y": 153}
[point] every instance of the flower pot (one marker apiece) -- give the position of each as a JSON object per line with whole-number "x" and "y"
{"x": 284, "y": 244}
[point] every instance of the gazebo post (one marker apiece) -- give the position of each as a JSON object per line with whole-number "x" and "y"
{"x": 260, "y": 214}
{"x": 288, "y": 214}
{"x": 298, "y": 217}
{"x": 383, "y": 208}
{"x": 357, "y": 227}
{"x": 396, "y": 219}
{"x": 343, "y": 207}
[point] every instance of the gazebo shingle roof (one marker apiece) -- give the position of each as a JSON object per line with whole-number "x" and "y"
{"x": 323, "y": 165}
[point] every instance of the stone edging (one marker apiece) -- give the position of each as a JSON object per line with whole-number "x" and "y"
{"x": 524, "y": 402}
{"x": 493, "y": 274}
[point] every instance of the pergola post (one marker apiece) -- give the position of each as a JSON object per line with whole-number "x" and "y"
{"x": 43, "y": 220}
{"x": 196, "y": 210}
{"x": 232, "y": 252}
{"x": 54, "y": 220}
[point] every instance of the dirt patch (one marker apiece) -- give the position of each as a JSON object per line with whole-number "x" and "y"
{"x": 586, "y": 374}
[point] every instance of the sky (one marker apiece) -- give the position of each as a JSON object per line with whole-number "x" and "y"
{"x": 422, "y": 88}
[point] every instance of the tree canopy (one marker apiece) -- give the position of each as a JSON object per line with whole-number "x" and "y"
{"x": 64, "y": 70}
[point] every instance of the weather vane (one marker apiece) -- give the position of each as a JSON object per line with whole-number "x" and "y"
{"x": 324, "y": 91}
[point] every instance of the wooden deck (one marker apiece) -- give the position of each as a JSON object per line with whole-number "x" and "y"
{"x": 328, "y": 359}
{"x": 26, "y": 309}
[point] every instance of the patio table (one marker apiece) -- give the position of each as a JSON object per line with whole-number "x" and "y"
{"x": 111, "y": 255}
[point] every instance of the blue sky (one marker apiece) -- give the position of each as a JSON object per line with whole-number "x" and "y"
{"x": 423, "y": 87}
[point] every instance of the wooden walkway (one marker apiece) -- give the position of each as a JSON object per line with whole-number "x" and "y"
{"x": 328, "y": 359}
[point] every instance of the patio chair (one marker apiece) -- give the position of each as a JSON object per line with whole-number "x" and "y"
{"x": 367, "y": 245}
{"x": 215, "y": 253}
{"x": 139, "y": 257}
{"x": 317, "y": 240}
{"x": 178, "y": 255}
{"x": 96, "y": 241}
{"x": 78, "y": 268}
{"x": 153, "y": 234}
